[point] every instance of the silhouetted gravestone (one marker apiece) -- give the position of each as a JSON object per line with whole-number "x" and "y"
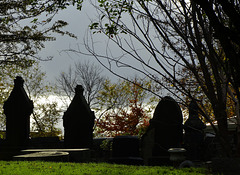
{"x": 165, "y": 131}
{"x": 45, "y": 142}
{"x": 18, "y": 109}
{"x": 78, "y": 122}
{"x": 125, "y": 150}
{"x": 194, "y": 134}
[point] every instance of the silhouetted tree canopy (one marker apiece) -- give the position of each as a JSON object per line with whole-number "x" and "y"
{"x": 23, "y": 30}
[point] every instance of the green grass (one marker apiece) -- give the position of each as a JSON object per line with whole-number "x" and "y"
{"x": 45, "y": 168}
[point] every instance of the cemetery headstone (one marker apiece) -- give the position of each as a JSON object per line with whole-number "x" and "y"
{"x": 78, "y": 122}
{"x": 45, "y": 142}
{"x": 102, "y": 149}
{"x": 125, "y": 150}
{"x": 18, "y": 108}
{"x": 194, "y": 134}
{"x": 164, "y": 132}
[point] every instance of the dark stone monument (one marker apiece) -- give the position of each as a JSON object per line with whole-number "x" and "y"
{"x": 165, "y": 131}
{"x": 125, "y": 150}
{"x": 46, "y": 142}
{"x": 102, "y": 149}
{"x": 18, "y": 109}
{"x": 78, "y": 122}
{"x": 194, "y": 134}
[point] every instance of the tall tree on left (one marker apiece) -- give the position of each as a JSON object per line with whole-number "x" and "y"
{"x": 47, "y": 111}
{"x": 26, "y": 25}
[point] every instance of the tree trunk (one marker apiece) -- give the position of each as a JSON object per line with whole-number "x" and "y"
{"x": 223, "y": 135}
{"x": 238, "y": 130}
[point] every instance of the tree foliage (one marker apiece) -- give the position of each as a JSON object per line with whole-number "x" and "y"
{"x": 132, "y": 122}
{"x": 126, "y": 108}
{"x": 26, "y": 25}
{"x": 46, "y": 113}
{"x": 46, "y": 116}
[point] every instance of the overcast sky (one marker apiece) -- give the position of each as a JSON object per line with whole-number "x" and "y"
{"x": 78, "y": 24}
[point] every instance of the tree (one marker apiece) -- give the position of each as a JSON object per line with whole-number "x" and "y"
{"x": 86, "y": 74}
{"x": 45, "y": 118}
{"x": 46, "y": 114}
{"x": 223, "y": 17}
{"x": 23, "y": 30}
{"x": 189, "y": 81}
{"x": 123, "y": 122}
{"x": 126, "y": 108}
{"x": 175, "y": 35}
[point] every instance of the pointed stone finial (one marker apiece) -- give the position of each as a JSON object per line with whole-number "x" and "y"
{"x": 79, "y": 90}
{"x": 18, "y": 81}
{"x": 193, "y": 108}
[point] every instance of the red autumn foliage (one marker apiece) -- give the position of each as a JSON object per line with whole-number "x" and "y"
{"x": 125, "y": 122}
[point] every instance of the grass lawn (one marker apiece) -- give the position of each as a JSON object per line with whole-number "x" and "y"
{"x": 45, "y": 168}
